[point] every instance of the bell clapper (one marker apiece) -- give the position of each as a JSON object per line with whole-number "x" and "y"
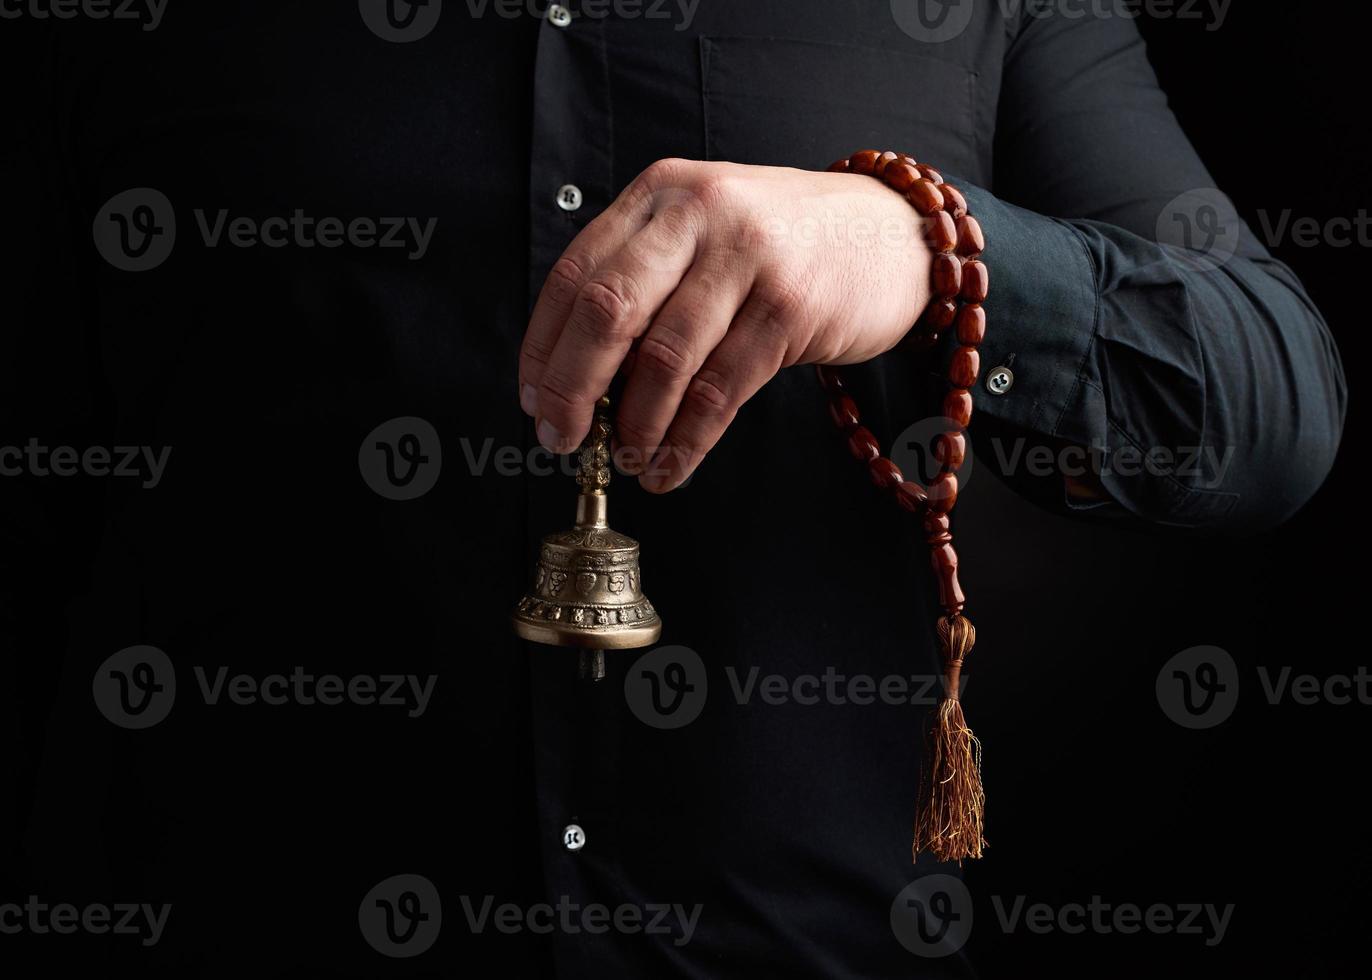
{"x": 591, "y": 665}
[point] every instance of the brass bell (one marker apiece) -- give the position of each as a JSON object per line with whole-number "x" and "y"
{"x": 588, "y": 588}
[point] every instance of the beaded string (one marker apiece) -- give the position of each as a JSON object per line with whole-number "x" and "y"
{"x": 950, "y": 811}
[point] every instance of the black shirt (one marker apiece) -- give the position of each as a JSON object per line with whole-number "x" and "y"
{"x": 267, "y": 357}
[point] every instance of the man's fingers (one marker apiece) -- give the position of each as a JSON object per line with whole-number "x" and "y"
{"x": 688, "y": 327}
{"x": 600, "y": 239}
{"x": 630, "y": 212}
{"x": 752, "y": 352}
{"x": 613, "y": 306}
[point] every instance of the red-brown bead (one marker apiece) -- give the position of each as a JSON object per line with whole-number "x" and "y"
{"x": 930, "y": 173}
{"x": 946, "y": 275}
{"x": 839, "y": 166}
{"x": 900, "y": 175}
{"x": 910, "y": 496}
{"x": 829, "y": 379}
{"x": 971, "y": 324}
{"x": 976, "y": 281}
{"x": 957, "y": 406}
{"x": 863, "y": 445}
{"x": 971, "y": 239}
{"x": 943, "y": 556}
{"x": 943, "y": 232}
{"x": 950, "y": 594}
{"x": 925, "y": 196}
{"x": 964, "y": 367}
{"x": 936, "y": 528}
{"x": 950, "y": 449}
{"x": 863, "y": 161}
{"x": 953, "y": 201}
{"x": 943, "y": 492}
{"x": 939, "y": 316}
{"x": 920, "y": 343}
{"x": 844, "y": 411}
{"x": 887, "y": 158}
{"x": 885, "y": 474}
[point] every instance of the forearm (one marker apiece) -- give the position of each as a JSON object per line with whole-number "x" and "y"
{"x": 1208, "y": 394}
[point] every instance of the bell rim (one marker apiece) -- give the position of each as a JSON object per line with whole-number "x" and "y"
{"x": 610, "y": 637}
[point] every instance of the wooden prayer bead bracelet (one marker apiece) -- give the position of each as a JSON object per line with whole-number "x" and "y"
{"x": 959, "y": 285}
{"x": 948, "y": 819}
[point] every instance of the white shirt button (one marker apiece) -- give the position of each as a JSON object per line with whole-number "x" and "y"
{"x": 559, "y": 16}
{"x": 569, "y": 197}
{"x": 999, "y": 381}
{"x": 573, "y": 837}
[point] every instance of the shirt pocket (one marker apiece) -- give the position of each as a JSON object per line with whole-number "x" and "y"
{"x": 778, "y": 102}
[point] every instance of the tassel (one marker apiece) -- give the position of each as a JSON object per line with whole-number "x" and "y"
{"x": 951, "y": 806}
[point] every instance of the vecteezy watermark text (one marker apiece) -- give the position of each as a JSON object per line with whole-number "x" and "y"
{"x": 148, "y": 12}
{"x": 136, "y": 687}
{"x": 835, "y": 688}
{"x": 36, "y": 459}
{"x": 1198, "y": 688}
{"x": 1103, "y": 918}
{"x": 572, "y": 918}
{"x": 136, "y": 230}
{"x": 63, "y": 918}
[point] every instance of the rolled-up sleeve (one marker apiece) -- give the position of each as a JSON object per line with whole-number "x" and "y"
{"x": 1140, "y": 320}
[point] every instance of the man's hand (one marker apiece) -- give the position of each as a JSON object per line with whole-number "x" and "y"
{"x": 709, "y": 278}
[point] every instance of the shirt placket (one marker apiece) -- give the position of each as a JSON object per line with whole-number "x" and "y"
{"x": 571, "y": 171}
{"x": 575, "y": 723}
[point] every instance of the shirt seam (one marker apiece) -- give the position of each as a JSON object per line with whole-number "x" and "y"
{"x": 1081, "y": 378}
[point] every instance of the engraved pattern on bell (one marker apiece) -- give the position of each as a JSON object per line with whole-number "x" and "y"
{"x": 587, "y": 584}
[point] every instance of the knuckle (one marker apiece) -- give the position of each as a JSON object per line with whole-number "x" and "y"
{"x": 606, "y": 304}
{"x": 565, "y": 279}
{"x": 755, "y": 234}
{"x": 631, "y": 433}
{"x": 709, "y": 393}
{"x": 777, "y": 300}
{"x": 717, "y": 191}
{"x": 668, "y": 170}
{"x": 665, "y": 354}
{"x": 677, "y": 218}
{"x": 558, "y": 396}
{"x": 536, "y": 351}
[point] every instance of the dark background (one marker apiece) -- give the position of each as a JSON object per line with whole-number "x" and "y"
{"x": 1266, "y": 810}
{"x": 1109, "y": 796}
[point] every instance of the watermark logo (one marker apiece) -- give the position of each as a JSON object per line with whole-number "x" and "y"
{"x": 932, "y": 21}
{"x": 932, "y": 916}
{"x": 916, "y": 451}
{"x": 1203, "y": 226}
{"x": 136, "y": 687}
{"x": 401, "y": 459}
{"x": 401, "y": 916}
{"x": 135, "y": 230}
{"x": 667, "y": 687}
{"x": 400, "y": 21}
{"x": 1199, "y": 687}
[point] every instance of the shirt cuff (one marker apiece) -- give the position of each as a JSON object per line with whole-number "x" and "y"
{"x": 1042, "y": 313}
